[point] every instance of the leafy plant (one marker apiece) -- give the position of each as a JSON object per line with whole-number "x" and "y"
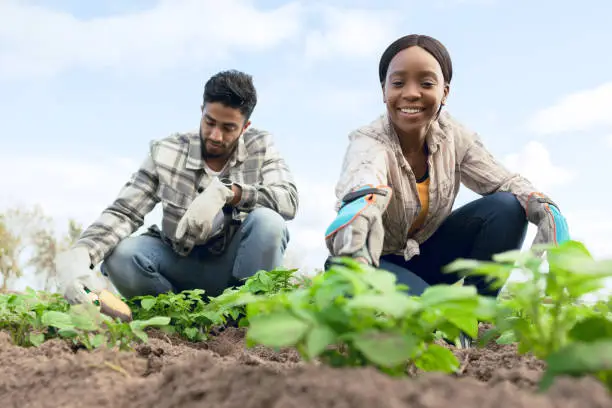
{"x": 36, "y": 316}
{"x": 192, "y": 316}
{"x": 21, "y": 315}
{"x": 85, "y": 325}
{"x": 186, "y": 312}
{"x": 355, "y": 315}
{"x": 543, "y": 314}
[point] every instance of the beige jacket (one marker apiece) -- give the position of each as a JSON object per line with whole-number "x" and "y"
{"x": 457, "y": 156}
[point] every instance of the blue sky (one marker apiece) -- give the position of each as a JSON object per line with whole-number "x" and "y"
{"x": 86, "y": 85}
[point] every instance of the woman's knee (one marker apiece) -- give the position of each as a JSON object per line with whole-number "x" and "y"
{"x": 507, "y": 216}
{"x": 507, "y": 204}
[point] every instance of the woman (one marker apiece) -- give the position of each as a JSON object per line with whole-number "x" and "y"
{"x": 416, "y": 155}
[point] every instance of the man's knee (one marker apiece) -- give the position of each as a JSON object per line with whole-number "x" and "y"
{"x": 132, "y": 267}
{"x": 268, "y": 226}
{"x": 126, "y": 255}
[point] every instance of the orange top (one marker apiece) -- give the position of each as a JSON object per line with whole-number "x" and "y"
{"x": 423, "y": 190}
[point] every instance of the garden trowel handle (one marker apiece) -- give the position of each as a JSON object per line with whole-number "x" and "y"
{"x": 111, "y": 305}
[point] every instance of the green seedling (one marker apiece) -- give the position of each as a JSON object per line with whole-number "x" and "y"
{"x": 355, "y": 315}
{"x": 544, "y": 314}
{"x": 193, "y": 315}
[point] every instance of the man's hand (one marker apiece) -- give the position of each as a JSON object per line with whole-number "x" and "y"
{"x": 75, "y": 277}
{"x": 202, "y": 211}
{"x": 358, "y": 230}
{"x": 551, "y": 224}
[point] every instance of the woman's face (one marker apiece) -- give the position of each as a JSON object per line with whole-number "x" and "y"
{"x": 414, "y": 90}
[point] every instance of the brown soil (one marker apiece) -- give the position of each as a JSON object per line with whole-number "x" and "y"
{"x": 222, "y": 373}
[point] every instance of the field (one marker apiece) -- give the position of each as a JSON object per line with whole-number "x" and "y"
{"x": 349, "y": 338}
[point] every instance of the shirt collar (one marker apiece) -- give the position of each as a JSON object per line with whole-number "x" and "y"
{"x": 434, "y": 138}
{"x": 194, "y": 155}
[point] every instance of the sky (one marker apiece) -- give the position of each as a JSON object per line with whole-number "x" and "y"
{"x": 86, "y": 85}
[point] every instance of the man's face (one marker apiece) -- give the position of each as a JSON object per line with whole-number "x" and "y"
{"x": 220, "y": 128}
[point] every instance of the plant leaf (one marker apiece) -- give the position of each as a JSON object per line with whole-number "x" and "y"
{"x": 506, "y": 337}
{"x": 148, "y": 303}
{"x": 592, "y": 329}
{"x": 279, "y": 329}
{"x": 577, "y": 359}
{"x": 442, "y": 294}
{"x": 36, "y": 339}
{"x": 437, "y": 358}
{"x": 513, "y": 256}
{"x": 381, "y": 280}
{"x": 60, "y": 320}
{"x": 465, "y": 322}
{"x": 98, "y": 340}
{"x": 385, "y": 349}
{"x": 318, "y": 339}
{"x": 394, "y": 304}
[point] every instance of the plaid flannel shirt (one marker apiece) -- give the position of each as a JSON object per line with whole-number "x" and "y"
{"x": 172, "y": 173}
{"x": 457, "y": 155}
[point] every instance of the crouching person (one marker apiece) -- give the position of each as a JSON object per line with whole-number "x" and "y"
{"x": 226, "y": 194}
{"x": 401, "y": 174}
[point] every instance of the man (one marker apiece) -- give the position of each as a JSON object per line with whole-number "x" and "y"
{"x": 226, "y": 194}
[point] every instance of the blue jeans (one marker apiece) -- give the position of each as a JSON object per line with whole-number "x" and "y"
{"x": 147, "y": 265}
{"x": 478, "y": 230}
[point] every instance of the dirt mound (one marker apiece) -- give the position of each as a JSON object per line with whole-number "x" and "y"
{"x": 169, "y": 372}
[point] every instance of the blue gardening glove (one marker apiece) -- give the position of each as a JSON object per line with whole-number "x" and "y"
{"x": 545, "y": 214}
{"x": 358, "y": 231}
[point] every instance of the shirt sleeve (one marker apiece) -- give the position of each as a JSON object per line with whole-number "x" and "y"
{"x": 277, "y": 190}
{"x": 364, "y": 163}
{"x": 125, "y": 215}
{"x": 482, "y": 173}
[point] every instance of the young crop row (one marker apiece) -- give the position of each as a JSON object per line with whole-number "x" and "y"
{"x": 355, "y": 315}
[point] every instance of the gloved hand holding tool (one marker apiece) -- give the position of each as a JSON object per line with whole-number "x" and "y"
{"x": 357, "y": 231}
{"x": 77, "y": 284}
{"x": 202, "y": 211}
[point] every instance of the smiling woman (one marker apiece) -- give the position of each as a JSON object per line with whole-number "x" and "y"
{"x": 402, "y": 172}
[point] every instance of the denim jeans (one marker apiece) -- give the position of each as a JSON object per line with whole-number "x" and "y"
{"x": 147, "y": 265}
{"x": 478, "y": 230}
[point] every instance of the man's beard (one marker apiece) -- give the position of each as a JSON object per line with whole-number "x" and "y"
{"x": 228, "y": 149}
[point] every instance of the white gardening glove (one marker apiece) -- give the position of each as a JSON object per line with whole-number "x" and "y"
{"x": 75, "y": 276}
{"x": 202, "y": 211}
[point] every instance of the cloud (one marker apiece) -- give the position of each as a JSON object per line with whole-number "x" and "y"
{"x": 360, "y": 33}
{"x": 64, "y": 187}
{"x": 608, "y": 140}
{"x": 171, "y": 33}
{"x": 535, "y": 163}
{"x": 576, "y": 112}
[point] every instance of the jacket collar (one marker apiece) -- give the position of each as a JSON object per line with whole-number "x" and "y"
{"x": 434, "y": 138}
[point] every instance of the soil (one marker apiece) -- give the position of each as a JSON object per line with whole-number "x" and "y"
{"x": 222, "y": 372}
